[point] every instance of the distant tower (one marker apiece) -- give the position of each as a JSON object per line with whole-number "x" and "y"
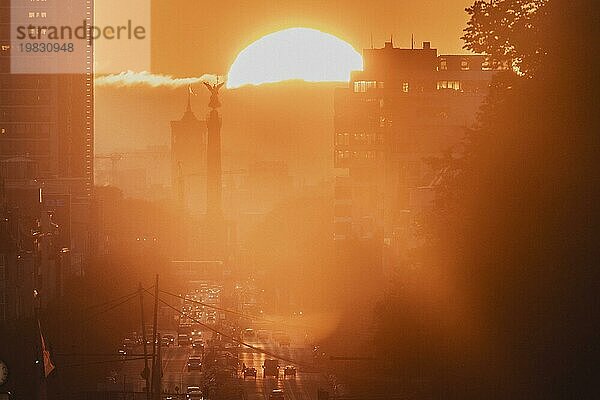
{"x": 216, "y": 226}
{"x": 214, "y": 185}
{"x": 188, "y": 160}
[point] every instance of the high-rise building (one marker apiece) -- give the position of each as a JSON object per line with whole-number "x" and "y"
{"x": 46, "y": 142}
{"x": 49, "y": 117}
{"x": 406, "y": 106}
{"x": 188, "y": 161}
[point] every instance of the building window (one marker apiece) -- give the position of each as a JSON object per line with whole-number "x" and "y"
{"x": 405, "y": 87}
{"x": 443, "y": 64}
{"x": 448, "y": 85}
{"x": 464, "y": 65}
{"x": 363, "y": 86}
{"x": 342, "y": 139}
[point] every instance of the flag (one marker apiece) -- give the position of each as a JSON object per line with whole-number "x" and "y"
{"x": 48, "y": 366}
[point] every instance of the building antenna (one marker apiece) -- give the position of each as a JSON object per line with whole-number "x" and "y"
{"x": 412, "y": 41}
{"x": 392, "y": 39}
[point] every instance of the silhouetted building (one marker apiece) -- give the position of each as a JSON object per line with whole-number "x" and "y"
{"x": 33, "y": 232}
{"x": 46, "y": 126}
{"x": 188, "y": 161}
{"x": 405, "y": 106}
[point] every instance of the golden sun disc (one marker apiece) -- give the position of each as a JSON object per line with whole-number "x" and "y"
{"x": 295, "y": 53}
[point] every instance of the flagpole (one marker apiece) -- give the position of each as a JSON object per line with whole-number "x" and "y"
{"x": 37, "y": 352}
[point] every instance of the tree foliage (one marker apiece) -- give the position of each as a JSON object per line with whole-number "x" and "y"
{"x": 511, "y": 32}
{"x": 502, "y": 306}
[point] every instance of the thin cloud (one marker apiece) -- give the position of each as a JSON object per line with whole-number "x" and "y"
{"x": 144, "y": 78}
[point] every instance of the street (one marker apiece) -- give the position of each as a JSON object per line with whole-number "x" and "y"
{"x": 224, "y": 347}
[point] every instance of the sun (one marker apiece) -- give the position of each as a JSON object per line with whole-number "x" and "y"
{"x": 294, "y": 53}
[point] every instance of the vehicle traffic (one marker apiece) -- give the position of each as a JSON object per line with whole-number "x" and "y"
{"x": 289, "y": 371}
{"x": 194, "y": 363}
{"x": 271, "y": 368}
{"x": 250, "y": 371}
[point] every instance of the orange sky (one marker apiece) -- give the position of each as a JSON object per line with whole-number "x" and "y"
{"x": 192, "y": 37}
{"x": 262, "y": 123}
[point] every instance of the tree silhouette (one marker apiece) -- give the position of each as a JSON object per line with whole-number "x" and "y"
{"x": 503, "y": 305}
{"x": 511, "y": 32}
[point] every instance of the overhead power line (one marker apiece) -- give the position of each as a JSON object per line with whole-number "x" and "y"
{"x": 260, "y": 350}
{"x": 248, "y": 316}
{"x": 90, "y": 317}
{"x": 105, "y": 303}
{"x": 216, "y": 307}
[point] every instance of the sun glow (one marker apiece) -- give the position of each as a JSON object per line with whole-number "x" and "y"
{"x": 295, "y": 53}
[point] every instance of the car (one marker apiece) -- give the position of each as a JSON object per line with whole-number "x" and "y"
{"x": 198, "y": 344}
{"x": 249, "y": 333}
{"x": 196, "y": 331}
{"x": 276, "y": 394}
{"x": 290, "y": 370}
{"x": 185, "y": 328}
{"x": 194, "y": 363}
{"x": 193, "y": 392}
{"x": 271, "y": 368}
{"x": 169, "y": 337}
{"x": 183, "y": 339}
{"x": 250, "y": 371}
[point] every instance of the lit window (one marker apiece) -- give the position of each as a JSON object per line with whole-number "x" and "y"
{"x": 363, "y": 86}
{"x": 448, "y": 85}
{"x": 405, "y": 87}
{"x": 464, "y": 65}
{"x": 443, "y": 64}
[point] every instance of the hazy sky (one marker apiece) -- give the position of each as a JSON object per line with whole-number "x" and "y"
{"x": 191, "y": 38}
{"x": 195, "y": 37}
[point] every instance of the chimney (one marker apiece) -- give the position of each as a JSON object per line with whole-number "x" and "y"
{"x": 426, "y": 45}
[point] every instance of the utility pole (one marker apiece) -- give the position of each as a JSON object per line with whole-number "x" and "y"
{"x": 146, "y": 373}
{"x": 155, "y": 373}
